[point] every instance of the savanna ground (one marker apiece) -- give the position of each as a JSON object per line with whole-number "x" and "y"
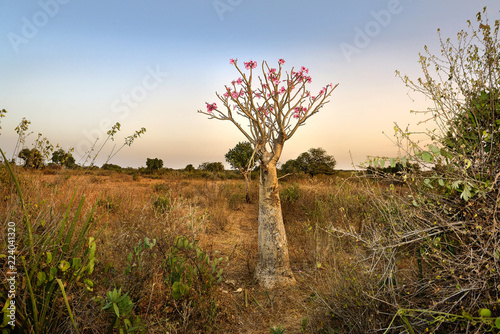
{"x": 117, "y": 252}
{"x": 129, "y": 208}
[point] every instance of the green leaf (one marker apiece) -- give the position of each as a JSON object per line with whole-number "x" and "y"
{"x": 91, "y": 265}
{"x": 434, "y": 149}
{"x": 41, "y": 277}
{"x": 497, "y": 323}
{"x": 52, "y": 273}
{"x": 64, "y": 265}
{"x": 179, "y": 290}
{"x": 441, "y": 182}
{"x": 116, "y": 309}
{"x": 393, "y": 162}
{"x": 89, "y": 284}
{"x": 49, "y": 257}
{"x": 467, "y": 315}
{"x": 427, "y": 157}
{"x": 466, "y": 194}
{"x": 485, "y": 313}
{"x": 76, "y": 263}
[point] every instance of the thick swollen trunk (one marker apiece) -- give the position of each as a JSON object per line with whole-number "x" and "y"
{"x": 273, "y": 267}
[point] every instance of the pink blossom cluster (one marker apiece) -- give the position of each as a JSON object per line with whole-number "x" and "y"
{"x": 239, "y": 82}
{"x": 298, "y": 112}
{"x": 323, "y": 90}
{"x": 211, "y": 107}
{"x": 273, "y": 77}
{"x": 234, "y": 94}
{"x": 301, "y": 75}
{"x": 250, "y": 64}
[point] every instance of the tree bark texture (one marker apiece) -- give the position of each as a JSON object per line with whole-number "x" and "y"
{"x": 273, "y": 267}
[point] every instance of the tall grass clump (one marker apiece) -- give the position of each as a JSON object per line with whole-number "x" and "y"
{"x": 54, "y": 261}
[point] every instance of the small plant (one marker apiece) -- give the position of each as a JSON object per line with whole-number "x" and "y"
{"x": 161, "y": 188}
{"x": 162, "y": 204}
{"x": 291, "y": 193}
{"x": 108, "y": 203}
{"x": 121, "y": 306}
{"x": 188, "y": 265}
{"x": 277, "y": 330}
{"x": 135, "y": 258}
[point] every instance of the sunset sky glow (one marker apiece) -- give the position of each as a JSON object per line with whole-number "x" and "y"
{"x": 74, "y": 68}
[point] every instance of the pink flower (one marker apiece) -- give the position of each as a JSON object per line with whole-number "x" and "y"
{"x": 250, "y": 64}
{"x": 303, "y": 69}
{"x": 242, "y": 92}
{"x": 239, "y": 81}
{"x": 272, "y": 70}
{"x": 211, "y": 107}
{"x": 276, "y": 82}
{"x": 282, "y": 90}
{"x": 281, "y": 61}
{"x": 297, "y": 112}
{"x": 231, "y": 61}
{"x": 227, "y": 94}
{"x": 257, "y": 95}
{"x": 234, "y": 95}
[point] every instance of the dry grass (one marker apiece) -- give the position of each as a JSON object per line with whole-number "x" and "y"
{"x": 215, "y": 214}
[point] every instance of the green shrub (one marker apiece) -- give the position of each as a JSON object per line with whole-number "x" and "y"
{"x": 290, "y": 193}
{"x": 162, "y": 204}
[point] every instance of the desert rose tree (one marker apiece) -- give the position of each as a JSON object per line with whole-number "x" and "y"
{"x": 268, "y": 109}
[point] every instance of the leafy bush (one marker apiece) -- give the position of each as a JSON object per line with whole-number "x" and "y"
{"x": 290, "y": 193}
{"x": 162, "y": 204}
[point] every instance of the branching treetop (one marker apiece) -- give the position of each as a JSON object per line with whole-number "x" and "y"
{"x": 274, "y": 104}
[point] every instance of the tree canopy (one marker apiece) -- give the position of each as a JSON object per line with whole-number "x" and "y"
{"x": 241, "y": 157}
{"x": 154, "y": 164}
{"x": 32, "y": 158}
{"x": 63, "y": 158}
{"x": 313, "y": 162}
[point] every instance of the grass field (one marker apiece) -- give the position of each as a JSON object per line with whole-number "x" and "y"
{"x": 128, "y": 209}
{"x": 102, "y": 251}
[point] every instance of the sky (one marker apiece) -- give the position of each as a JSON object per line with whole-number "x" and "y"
{"x": 74, "y": 68}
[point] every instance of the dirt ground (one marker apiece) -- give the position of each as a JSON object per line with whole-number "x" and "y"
{"x": 257, "y": 310}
